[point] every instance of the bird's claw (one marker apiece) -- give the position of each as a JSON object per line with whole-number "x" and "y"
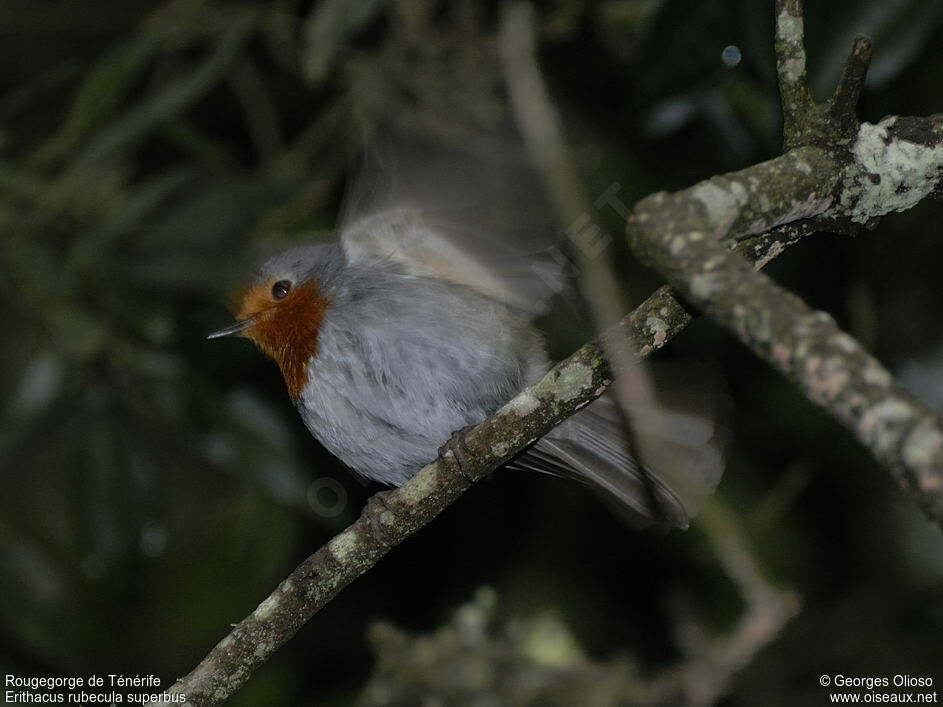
{"x": 456, "y": 445}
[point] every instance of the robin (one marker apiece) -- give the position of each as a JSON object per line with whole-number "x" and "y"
{"x": 403, "y": 331}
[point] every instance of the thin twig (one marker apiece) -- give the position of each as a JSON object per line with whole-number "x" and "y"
{"x": 702, "y": 679}
{"x": 791, "y": 70}
{"x": 844, "y": 101}
{"x": 541, "y": 125}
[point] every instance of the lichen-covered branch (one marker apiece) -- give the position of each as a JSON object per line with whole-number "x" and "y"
{"x": 893, "y": 166}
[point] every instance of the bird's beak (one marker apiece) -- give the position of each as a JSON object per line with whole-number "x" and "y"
{"x": 233, "y": 329}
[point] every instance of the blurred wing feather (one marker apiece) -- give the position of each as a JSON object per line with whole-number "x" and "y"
{"x": 474, "y": 222}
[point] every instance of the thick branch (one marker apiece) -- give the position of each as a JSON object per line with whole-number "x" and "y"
{"x": 895, "y": 165}
{"x": 680, "y": 235}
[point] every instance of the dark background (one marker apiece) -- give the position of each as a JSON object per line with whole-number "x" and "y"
{"x": 154, "y": 487}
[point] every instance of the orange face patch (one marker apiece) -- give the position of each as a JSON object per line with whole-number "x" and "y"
{"x": 286, "y": 329}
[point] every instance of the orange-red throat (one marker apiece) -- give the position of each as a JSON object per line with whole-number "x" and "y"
{"x": 286, "y": 329}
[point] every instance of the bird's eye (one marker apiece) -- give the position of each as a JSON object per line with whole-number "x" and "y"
{"x": 280, "y": 289}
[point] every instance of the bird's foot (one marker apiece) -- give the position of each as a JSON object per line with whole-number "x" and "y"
{"x": 375, "y": 511}
{"x": 456, "y": 445}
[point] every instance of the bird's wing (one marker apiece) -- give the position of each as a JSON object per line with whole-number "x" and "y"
{"x": 480, "y": 222}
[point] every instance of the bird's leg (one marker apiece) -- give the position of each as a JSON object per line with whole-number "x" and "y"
{"x": 456, "y": 445}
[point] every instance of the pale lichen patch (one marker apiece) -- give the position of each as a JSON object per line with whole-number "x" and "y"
{"x": 703, "y": 286}
{"x": 827, "y": 378}
{"x": 656, "y": 324}
{"x": 267, "y": 608}
{"x": 343, "y": 546}
{"x": 875, "y": 375}
{"x": 876, "y": 422}
{"x": 499, "y": 449}
{"x": 678, "y": 244}
{"x": 523, "y": 405}
{"x": 888, "y": 173}
{"x": 573, "y": 380}
{"x": 419, "y": 487}
{"x": 922, "y": 446}
{"x": 844, "y": 342}
{"x": 788, "y": 27}
{"x": 723, "y": 206}
{"x": 794, "y": 67}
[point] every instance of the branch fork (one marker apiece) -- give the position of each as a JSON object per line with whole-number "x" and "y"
{"x": 836, "y": 171}
{"x": 805, "y": 122}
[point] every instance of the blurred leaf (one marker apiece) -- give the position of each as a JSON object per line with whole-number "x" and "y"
{"x": 103, "y": 478}
{"x": 99, "y": 94}
{"x": 257, "y": 439}
{"x": 172, "y": 98}
{"x": 40, "y": 383}
{"x": 327, "y": 28}
{"x": 125, "y": 218}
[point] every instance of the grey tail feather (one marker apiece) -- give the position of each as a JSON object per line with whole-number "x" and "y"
{"x": 594, "y": 447}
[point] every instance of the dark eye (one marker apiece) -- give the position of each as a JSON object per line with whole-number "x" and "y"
{"x": 280, "y": 289}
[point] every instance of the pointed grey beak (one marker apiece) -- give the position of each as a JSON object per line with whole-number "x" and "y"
{"x": 232, "y": 329}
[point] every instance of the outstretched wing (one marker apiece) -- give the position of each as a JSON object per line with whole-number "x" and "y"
{"x": 477, "y": 221}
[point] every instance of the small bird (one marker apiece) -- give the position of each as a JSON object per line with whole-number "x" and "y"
{"x": 407, "y": 329}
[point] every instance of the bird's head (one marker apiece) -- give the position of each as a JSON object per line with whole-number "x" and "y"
{"x": 282, "y": 311}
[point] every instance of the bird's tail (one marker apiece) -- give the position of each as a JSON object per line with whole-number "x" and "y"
{"x": 681, "y": 445}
